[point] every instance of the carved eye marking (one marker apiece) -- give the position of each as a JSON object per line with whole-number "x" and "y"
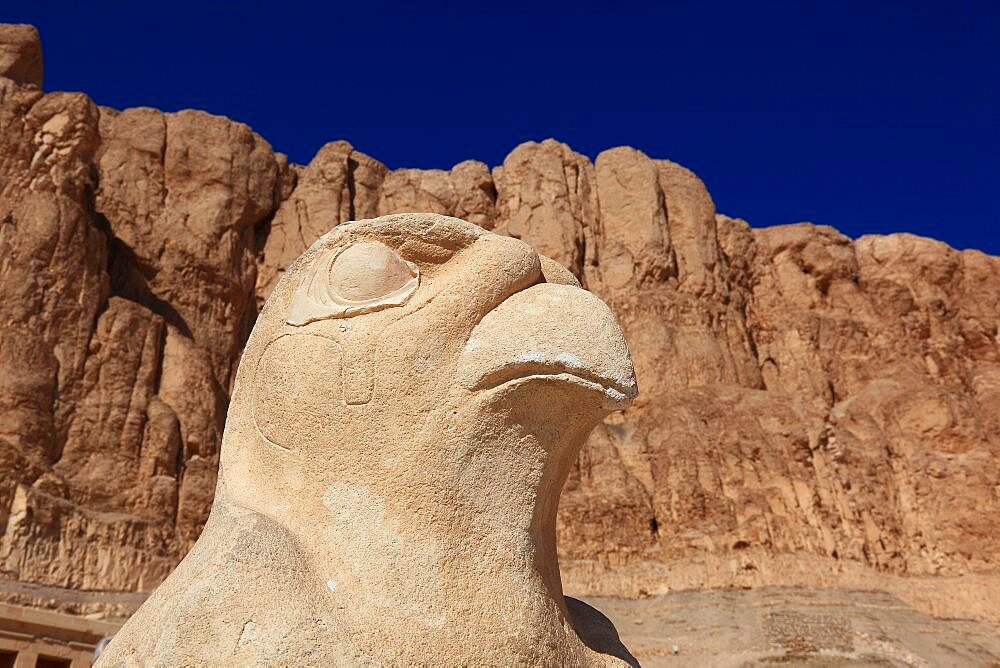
{"x": 364, "y": 277}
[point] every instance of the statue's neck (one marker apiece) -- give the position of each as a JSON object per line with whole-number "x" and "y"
{"x": 415, "y": 554}
{"x": 464, "y": 549}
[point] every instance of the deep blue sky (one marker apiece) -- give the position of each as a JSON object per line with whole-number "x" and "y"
{"x": 870, "y": 116}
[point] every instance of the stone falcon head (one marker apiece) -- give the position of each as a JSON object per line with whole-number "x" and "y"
{"x": 405, "y": 413}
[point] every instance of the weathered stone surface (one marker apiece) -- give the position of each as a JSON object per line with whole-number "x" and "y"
{"x": 546, "y": 197}
{"x": 391, "y": 469}
{"x": 129, "y": 257}
{"x": 802, "y": 627}
{"x": 52, "y": 275}
{"x": 815, "y": 409}
{"x": 20, "y": 54}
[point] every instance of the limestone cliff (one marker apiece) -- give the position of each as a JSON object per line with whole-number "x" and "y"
{"x": 814, "y": 410}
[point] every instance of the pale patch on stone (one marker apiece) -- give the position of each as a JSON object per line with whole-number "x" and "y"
{"x": 570, "y": 360}
{"x": 249, "y": 633}
{"x": 532, "y": 356}
{"x": 394, "y": 572}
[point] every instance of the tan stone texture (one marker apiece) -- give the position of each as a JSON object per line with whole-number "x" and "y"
{"x": 405, "y": 413}
{"x": 20, "y": 53}
{"x": 814, "y": 409}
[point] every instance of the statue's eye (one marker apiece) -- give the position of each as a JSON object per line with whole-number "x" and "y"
{"x": 366, "y": 276}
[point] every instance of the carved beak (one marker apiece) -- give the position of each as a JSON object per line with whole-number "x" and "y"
{"x": 551, "y": 330}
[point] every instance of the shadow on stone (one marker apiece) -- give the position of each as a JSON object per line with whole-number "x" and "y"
{"x": 597, "y": 632}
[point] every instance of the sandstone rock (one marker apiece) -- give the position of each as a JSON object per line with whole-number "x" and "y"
{"x": 406, "y": 410}
{"x": 546, "y": 197}
{"x": 52, "y": 274}
{"x": 635, "y": 244}
{"x": 129, "y": 263}
{"x": 20, "y": 54}
{"x": 182, "y": 195}
{"x": 801, "y": 627}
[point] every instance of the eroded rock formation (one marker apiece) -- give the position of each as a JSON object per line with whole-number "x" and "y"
{"x": 814, "y": 409}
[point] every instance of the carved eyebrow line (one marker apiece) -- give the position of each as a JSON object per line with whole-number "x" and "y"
{"x": 438, "y": 235}
{"x": 433, "y": 251}
{"x": 439, "y": 243}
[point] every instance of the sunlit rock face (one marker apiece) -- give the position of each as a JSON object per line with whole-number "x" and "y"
{"x": 815, "y": 409}
{"x": 407, "y": 408}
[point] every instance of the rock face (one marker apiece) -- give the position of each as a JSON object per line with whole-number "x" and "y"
{"x": 814, "y": 410}
{"x": 407, "y": 407}
{"x": 20, "y": 54}
{"x": 794, "y": 626}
